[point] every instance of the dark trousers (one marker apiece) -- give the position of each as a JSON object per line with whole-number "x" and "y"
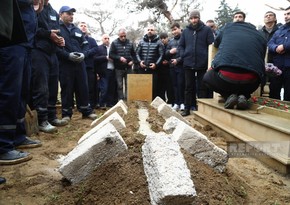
{"x": 276, "y": 84}
{"x": 15, "y": 72}
{"x": 164, "y": 85}
{"x": 213, "y": 80}
{"x": 92, "y": 85}
{"x": 44, "y": 86}
{"x": 109, "y": 88}
{"x": 73, "y": 80}
{"x": 178, "y": 84}
{"x": 121, "y": 79}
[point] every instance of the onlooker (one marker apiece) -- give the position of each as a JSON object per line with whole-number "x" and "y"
{"x": 45, "y": 69}
{"x": 239, "y": 16}
{"x": 210, "y": 23}
{"x": 122, "y": 52}
{"x": 176, "y": 70}
{"x": 164, "y": 84}
{"x": 238, "y": 66}
{"x": 149, "y": 54}
{"x": 193, "y": 48}
{"x": 14, "y": 88}
{"x": 279, "y": 47}
{"x": 73, "y": 75}
{"x": 89, "y": 61}
{"x": 106, "y": 72}
{"x": 267, "y": 31}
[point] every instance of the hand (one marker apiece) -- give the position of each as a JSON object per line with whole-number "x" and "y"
{"x": 80, "y": 57}
{"x": 142, "y": 64}
{"x": 73, "y": 57}
{"x": 173, "y": 51}
{"x": 123, "y": 60}
{"x": 58, "y": 40}
{"x": 152, "y": 66}
{"x": 280, "y": 49}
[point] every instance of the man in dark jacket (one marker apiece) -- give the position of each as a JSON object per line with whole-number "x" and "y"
{"x": 279, "y": 46}
{"x": 238, "y": 66}
{"x": 149, "y": 54}
{"x": 73, "y": 75}
{"x": 122, "y": 52}
{"x": 176, "y": 69}
{"x": 45, "y": 69}
{"x": 90, "y": 67}
{"x": 193, "y": 49}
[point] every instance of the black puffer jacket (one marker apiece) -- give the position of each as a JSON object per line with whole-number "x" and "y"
{"x": 240, "y": 46}
{"x": 150, "y": 50}
{"x": 173, "y": 43}
{"x": 122, "y": 49}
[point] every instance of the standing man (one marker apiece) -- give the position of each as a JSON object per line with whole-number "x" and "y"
{"x": 176, "y": 69}
{"x": 45, "y": 69}
{"x": 90, "y": 68}
{"x": 106, "y": 72}
{"x": 239, "y": 16}
{"x": 73, "y": 75}
{"x": 122, "y": 52}
{"x": 15, "y": 67}
{"x": 193, "y": 48}
{"x": 149, "y": 54}
{"x": 279, "y": 46}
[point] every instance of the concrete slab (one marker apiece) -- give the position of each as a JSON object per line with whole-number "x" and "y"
{"x": 157, "y": 102}
{"x": 121, "y": 108}
{"x": 115, "y": 119}
{"x": 169, "y": 179}
{"x": 91, "y": 153}
{"x": 197, "y": 144}
{"x": 166, "y": 112}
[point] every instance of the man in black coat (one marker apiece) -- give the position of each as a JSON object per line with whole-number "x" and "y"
{"x": 193, "y": 50}
{"x": 238, "y": 66}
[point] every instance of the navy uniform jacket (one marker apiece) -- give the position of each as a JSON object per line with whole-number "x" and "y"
{"x": 75, "y": 41}
{"x": 48, "y": 19}
{"x": 93, "y": 49}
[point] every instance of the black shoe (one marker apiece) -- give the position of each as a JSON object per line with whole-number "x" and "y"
{"x": 242, "y": 103}
{"x": 14, "y": 157}
{"x": 231, "y": 101}
{"x": 185, "y": 112}
{"x": 29, "y": 143}
{"x": 2, "y": 180}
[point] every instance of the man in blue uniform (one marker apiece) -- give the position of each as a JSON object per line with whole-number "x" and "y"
{"x": 14, "y": 88}
{"x": 45, "y": 69}
{"x": 73, "y": 76}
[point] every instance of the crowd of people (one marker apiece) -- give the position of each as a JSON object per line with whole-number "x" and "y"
{"x": 50, "y": 50}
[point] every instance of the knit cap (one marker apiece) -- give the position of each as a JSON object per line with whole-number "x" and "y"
{"x": 194, "y": 13}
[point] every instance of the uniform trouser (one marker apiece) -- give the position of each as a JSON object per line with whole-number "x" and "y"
{"x": 121, "y": 78}
{"x": 45, "y": 71}
{"x": 276, "y": 84}
{"x": 14, "y": 90}
{"x": 110, "y": 87}
{"x": 73, "y": 79}
{"x": 177, "y": 78}
{"x": 218, "y": 84}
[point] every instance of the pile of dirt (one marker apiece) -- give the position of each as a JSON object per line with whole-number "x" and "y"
{"x": 122, "y": 180}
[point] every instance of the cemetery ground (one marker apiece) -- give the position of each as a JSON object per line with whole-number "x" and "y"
{"x": 121, "y": 180}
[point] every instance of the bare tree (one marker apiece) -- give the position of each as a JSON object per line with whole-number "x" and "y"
{"x": 277, "y": 8}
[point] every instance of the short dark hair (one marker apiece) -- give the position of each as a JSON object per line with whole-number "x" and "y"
{"x": 210, "y": 21}
{"x": 271, "y": 12}
{"x": 163, "y": 35}
{"x": 175, "y": 24}
{"x": 240, "y": 12}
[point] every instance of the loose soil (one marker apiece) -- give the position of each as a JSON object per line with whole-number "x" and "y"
{"x": 121, "y": 181}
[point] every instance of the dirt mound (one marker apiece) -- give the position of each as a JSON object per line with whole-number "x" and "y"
{"x": 122, "y": 180}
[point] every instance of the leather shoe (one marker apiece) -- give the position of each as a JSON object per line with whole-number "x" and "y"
{"x": 231, "y": 101}
{"x": 185, "y": 112}
{"x": 91, "y": 116}
{"x": 14, "y": 157}
{"x": 29, "y": 143}
{"x": 46, "y": 127}
{"x": 242, "y": 103}
{"x": 58, "y": 122}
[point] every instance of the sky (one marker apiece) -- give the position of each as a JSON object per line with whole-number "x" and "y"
{"x": 254, "y": 9}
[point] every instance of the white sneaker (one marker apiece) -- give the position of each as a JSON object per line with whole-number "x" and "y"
{"x": 182, "y": 107}
{"x": 175, "y": 107}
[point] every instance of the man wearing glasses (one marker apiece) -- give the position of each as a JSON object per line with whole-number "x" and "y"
{"x": 123, "y": 53}
{"x": 149, "y": 53}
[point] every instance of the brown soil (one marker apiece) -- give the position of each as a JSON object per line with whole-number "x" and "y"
{"x": 121, "y": 180}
